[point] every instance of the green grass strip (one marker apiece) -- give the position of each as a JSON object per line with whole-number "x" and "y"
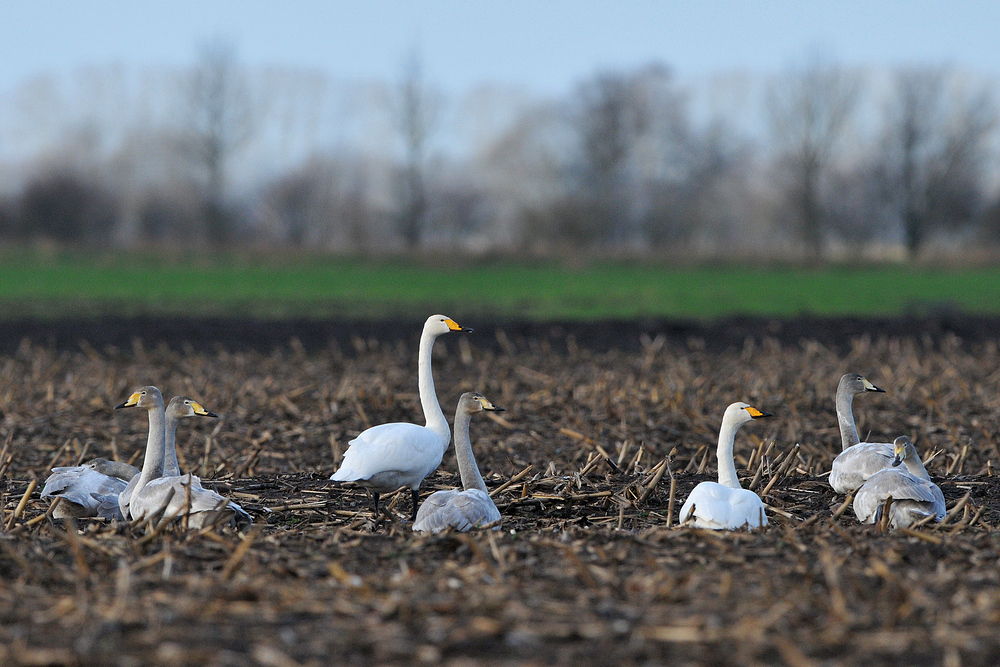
{"x": 73, "y": 284}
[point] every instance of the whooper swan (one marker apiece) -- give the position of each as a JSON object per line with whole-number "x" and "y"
{"x": 472, "y": 507}
{"x": 859, "y": 460}
{"x": 90, "y": 489}
{"x": 725, "y": 505}
{"x": 388, "y": 456}
{"x": 177, "y": 496}
{"x": 914, "y": 495}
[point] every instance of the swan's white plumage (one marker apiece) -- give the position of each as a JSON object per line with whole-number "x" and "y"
{"x": 719, "y": 507}
{"x": 388, "y": 456}
{"x": 914, "y": 495}
{"x": 858, "y": 460}
{"x": 472, "y": 506}
{"x": 724, "y": 505}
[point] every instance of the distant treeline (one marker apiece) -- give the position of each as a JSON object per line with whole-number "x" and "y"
{"x": 843, "y": 161}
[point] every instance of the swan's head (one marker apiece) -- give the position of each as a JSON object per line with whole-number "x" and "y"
{"x": 856, "y": 384}
{"x": 442, "y": 324}
{"x": 144, "y": 397}
{"x": 741, "y": 413}
{"x": 182, "y": 406}
{"x": 472, "y": 403}
{"x": 903, "y": 448}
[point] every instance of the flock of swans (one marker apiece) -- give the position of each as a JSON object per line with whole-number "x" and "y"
{"x": 387, "y": 457}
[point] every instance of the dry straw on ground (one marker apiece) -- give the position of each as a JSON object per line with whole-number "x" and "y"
{"x": 593, "y": 452}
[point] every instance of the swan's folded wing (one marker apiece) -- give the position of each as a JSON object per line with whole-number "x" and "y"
{"x": 461, "y": 510}
{"x": 856, "y": 464}
{"x": 86, "y": 487}
{"x": 389, "y": 447}
{"x": 901, "y": 485}
{"x": 155, "y": 494}
{"x": 60, "y": 479}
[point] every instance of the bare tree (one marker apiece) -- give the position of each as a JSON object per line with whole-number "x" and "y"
{"x": 416, "y": 110}
{"x": 628, "y": 127}
{"x": 935, "y": 153}
{"x": 222, "y": 121}
{"x": 810, "y": 112}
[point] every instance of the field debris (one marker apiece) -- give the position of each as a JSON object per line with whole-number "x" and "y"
{"x": 588, "y": 466}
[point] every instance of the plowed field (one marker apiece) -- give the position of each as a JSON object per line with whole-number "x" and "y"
{"x": 602, "y": 423}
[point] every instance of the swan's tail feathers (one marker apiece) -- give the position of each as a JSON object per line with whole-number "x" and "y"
{"x": 345, "y": 474}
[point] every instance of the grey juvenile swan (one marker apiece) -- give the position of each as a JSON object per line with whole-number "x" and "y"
{"x": 914, "y": 495}
{"x": 89, "y": 490}
{"x": 151, "y": 490}
{"x": 472, "y": 507}
{"x": 859, "y": 460}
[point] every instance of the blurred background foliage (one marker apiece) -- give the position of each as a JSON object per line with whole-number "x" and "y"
{"x": 819, "y": 162}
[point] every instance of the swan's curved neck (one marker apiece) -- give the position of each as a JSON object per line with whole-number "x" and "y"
{"x": 471, "y": 479}
{"x": 170, "y": 466}
{"x": 152, "y": 464}
{"x": 727, "y": 467}
{"x": 845, "y": 416}
{"x": 914, "y": 464}
{"x": 433, "y": 415}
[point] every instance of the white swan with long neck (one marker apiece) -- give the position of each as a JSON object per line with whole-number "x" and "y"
{"x": 914, "y": 495}
{"x": 386, "y": 457}
{"x": 180, "y": 495}
{"x": 858, "y": 460}
{"x": 472, "y": 506}
{"x": 725, "y": 505}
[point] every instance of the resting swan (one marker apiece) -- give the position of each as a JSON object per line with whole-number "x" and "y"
{"x": 186, "y": 494}
{"x": 388, "y": 456}
{"x": 859, "y": 460}
{"x": 914, "y": 495}
{"x": 89, "y": 490}
{"x": 472, "y": 507}
{"x": 180, "y": 407}
{"x": 726, "y": 505}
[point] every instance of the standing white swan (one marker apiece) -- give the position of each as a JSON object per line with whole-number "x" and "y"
{"x": 472, "y": 507}
{"x": 178, "y": 495}
{"x": 90, "y": 489}
{"x": 388, "y": 456}
{"x": 726, "y": 505}
{"x": 859, "y": 460}
{"x": 914, "y": 495}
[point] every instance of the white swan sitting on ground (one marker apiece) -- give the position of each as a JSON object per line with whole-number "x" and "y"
{"x": 177, "y": 496}
{"x": 859, "y": 460}
{"x": 472, "y": 507}
{"x": 726, "y": 505}
{"x": 914, "y": 495}
{"x": 383, "y": 458}
{"x": 89, "y": 490}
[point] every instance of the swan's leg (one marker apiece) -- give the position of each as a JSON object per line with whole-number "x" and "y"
{"x": 416, "y": 499}
{"x": 374, "y": 498}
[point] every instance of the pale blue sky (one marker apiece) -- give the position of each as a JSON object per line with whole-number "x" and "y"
{"x": 544, "y": 45}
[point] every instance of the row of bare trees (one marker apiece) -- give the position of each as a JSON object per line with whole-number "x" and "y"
{"x": 835, "y": 160}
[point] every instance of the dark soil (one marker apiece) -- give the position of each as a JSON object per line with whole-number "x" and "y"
{"x": 586, "y": 569}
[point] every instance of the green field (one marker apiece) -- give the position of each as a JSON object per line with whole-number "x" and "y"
{"x": 53, "y": 285}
